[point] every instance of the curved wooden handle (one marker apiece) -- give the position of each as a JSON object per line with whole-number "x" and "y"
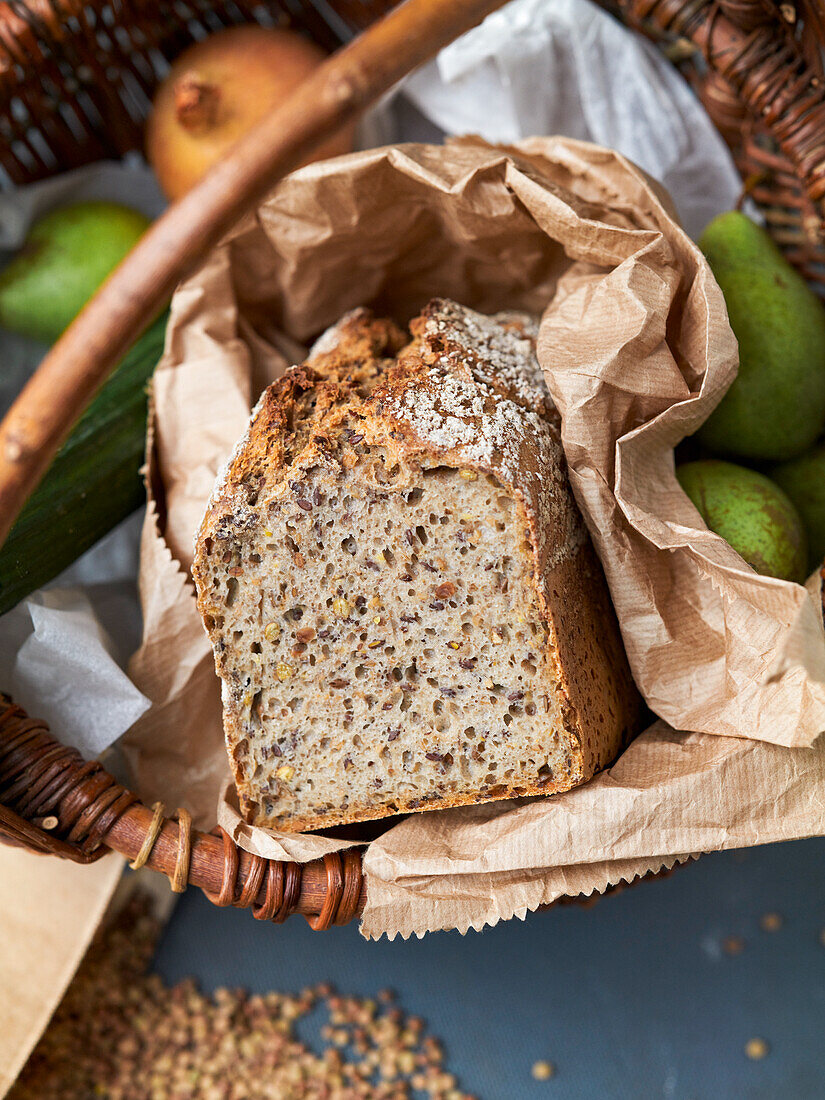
{"x": 55, "y": 803}
{"x": 133, "y": 295}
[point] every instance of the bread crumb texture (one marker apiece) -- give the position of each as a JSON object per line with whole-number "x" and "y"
{"x": 404, "y": 606}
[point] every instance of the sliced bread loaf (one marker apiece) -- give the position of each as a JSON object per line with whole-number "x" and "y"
{"x": 405, "y": 608}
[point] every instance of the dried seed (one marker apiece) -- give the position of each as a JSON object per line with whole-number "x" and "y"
{"x": 283, "y": 671}
{"x": 756, "y": 1049}
{"x": 341, "y": 607}
{"x": 285, "y": 772}
{"x": 543, "y": 1071}
{"x": 305, "y": 634}
{"x": 445, "y": 591}
{"x": 733, "y": 945}
{"x": 468, "y": 475}
{"x": 272, "y": 632}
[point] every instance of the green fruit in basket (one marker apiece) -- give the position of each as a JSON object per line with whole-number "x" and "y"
{"x": 750, "y": 513}
{"x": 803, "y": 480}
{"x": 775, "y": 408}
{"x": 66, "y": 256}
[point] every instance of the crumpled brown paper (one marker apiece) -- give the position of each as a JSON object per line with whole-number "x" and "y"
{"x": 637, "y": 350}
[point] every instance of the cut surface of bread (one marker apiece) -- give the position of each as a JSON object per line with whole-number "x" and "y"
{"x": 405, "y": 609}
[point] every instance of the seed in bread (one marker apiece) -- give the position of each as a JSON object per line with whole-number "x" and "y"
{"x": 405, "y": 608}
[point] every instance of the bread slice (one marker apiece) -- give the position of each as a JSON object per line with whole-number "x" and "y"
{"x": 405, "y": 607}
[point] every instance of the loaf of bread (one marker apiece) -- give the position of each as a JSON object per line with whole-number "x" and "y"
{"x": 405, "y": 608}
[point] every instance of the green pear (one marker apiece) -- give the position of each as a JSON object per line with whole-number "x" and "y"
{"x": 775, "y": 408}
{"x": 750, "y": 513}
{"x": 66, "y": 256}
{"x": 803, "y": 480}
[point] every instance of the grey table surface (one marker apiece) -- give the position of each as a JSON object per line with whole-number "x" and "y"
{"x": 635, "y": 997}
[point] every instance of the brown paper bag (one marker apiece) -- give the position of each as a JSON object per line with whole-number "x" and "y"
{"x": 637, "y": 351}
{"x": 49, "y": 910}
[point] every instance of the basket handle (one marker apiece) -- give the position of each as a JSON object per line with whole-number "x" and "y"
{"x": 134, "y": 294}
{"x": 55, "y": 803}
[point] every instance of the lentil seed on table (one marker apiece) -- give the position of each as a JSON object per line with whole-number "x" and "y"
{"x": 121, "y": 1034}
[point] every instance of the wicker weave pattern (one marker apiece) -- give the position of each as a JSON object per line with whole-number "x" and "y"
{"x": 76, "y": 79}
{"x": 757, "y": 67}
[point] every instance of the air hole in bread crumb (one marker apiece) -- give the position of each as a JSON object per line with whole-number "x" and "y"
{"x": 231, "y": 590}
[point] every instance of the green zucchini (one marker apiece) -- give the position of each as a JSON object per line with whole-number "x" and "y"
{"x": 92, "y": 484}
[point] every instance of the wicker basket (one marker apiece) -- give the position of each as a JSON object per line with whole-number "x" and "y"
{"x": 75, "y": 83}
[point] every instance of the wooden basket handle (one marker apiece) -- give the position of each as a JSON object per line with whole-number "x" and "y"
{"x": 134, "y": 294}
{"x": 54, "y": 802}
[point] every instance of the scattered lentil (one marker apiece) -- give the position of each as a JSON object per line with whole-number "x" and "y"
{"x": 543, "y": 1071}
{"x": 733, "y": 945}
{"x": 121, "y": 1034}
{"x": 756, "y": 1049}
